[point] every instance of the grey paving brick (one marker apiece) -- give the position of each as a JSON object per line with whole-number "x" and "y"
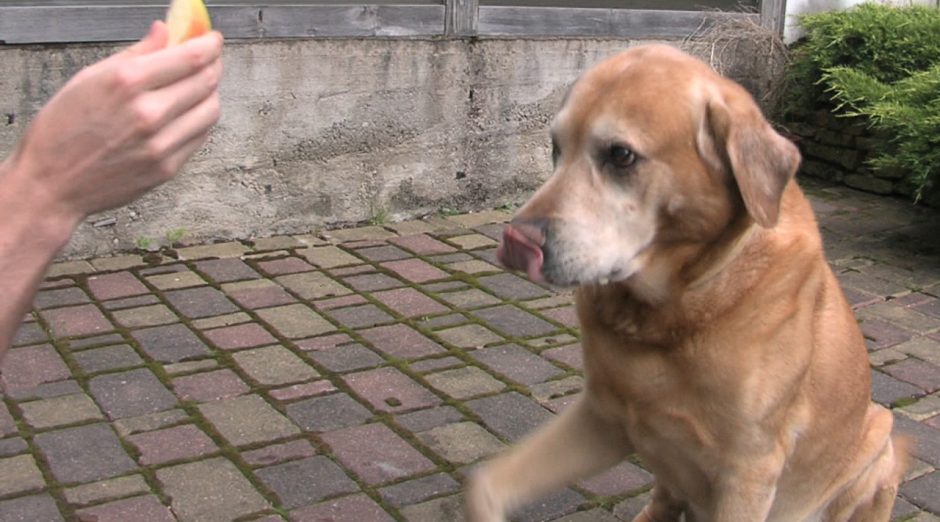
{"x": 152, "y": 315}
{"x": 20, "y": 474}
{"x": 346, "y": 358}
{"x": 301, "y": 482}
{"x": 353, "y": 508}
{"x": 226, "y": 270}
{"x": 556, "y": 505}
{"x": 448, "y": 508}
{"x": 512, "y": 321}
{"x": 328, "y": 413}
{"x": 106, "y": 489}
{"x": 45, "y": 391}
{"x": 517, "y": 363}
{"x": 94, "y": 341}
{"x": 463, "y": 383}
{"x": 419, "y": 489}
{"x": 361, "y": 316}
{"x": 468, "y": 299}
{"x": 461, "y": 443}
{"x": 84, "y": 454}
{"x": 12, "y": 446}
{"x": 131, "y": 393}
{"x": 922, "y": 491}
{"x": 887, "y": 390}
{"x": 312, "y": 285}
{"x": 172, "y": 343}
{"x": 153, "y": 421}
{"x": 623, "y": 478}
{"x": 511, "y": 286}
{"x": 274, "y": 365}
{"x": 210, "y": 490}
{"x": 7, "y": 422}
{"x": 423, "y": 420}
{"x": 295, "y": 321}
{"x": 196, "y": 303}
{"x": 469, "y": 336}
{"x": 59, "y": 411}
{"x": 33, "y": 508}
{"x": 29, "y": 333}
{"x": 60, "y": 297}
{"x": 247, "y": 420}
{"x": 107, "y": 358}
{"x": 510, "y": 415}
{"x": 144, "y": 507}
{"x": 281, "y": 452}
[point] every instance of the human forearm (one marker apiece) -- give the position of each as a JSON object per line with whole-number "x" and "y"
{"x": 31, "y": 233}
{"x": 117, "y": 129}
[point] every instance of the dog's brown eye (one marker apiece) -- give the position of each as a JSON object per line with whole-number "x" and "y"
{"x": 621, "y": 156}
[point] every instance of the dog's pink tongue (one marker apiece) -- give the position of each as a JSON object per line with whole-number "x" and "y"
{"x": 518, "y": 252}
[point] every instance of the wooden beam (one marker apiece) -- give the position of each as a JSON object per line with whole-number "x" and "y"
{"x": 773, "y": 15}
{"x": 461, "y": 17}
{"x": 60, "y": 24}
{"x": 571, "y": 22}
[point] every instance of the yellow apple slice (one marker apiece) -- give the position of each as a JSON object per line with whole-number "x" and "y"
{"x": 187, "y": 19}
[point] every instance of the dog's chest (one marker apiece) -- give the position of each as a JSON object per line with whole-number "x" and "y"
{"x": 674, "y": 412}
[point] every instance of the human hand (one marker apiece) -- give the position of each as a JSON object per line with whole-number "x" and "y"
{"x": 119, "y": 127}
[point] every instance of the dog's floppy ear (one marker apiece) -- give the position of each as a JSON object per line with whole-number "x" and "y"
{"x": 762, "y": 161}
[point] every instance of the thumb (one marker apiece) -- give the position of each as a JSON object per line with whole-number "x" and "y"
{"x": 155, "y": 40}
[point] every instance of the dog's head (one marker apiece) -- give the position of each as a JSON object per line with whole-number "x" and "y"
{"x": 652, "y": 150}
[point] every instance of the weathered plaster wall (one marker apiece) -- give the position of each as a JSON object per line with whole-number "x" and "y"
{"x": 324, "y": 132}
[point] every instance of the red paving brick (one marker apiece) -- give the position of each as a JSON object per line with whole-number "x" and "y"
{"x": 423, "y": 244}
{"x": 376, "y": 454}
{"x": 410, "y": 302}
{"x": 387, "y": 389}
{"x": 116, "y": 285}
{"x": 209, "y": 386}
{"x": 415, "y": 270}
{"x": 76, "y": 321}
{"x": 401, "y": 341}
{"x": 25, "y": 368}
{"x": 180, "y": 442}
{"x": 240, "y": 336}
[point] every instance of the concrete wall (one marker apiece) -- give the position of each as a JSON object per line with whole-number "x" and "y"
{"x": 323, "y": 132}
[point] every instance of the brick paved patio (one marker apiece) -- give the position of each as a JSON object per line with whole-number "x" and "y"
{"x": 358, "y": 374}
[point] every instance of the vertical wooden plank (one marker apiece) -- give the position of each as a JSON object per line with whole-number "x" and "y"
{"x": 461, "y": 17}
{"x": 773, "y": 15}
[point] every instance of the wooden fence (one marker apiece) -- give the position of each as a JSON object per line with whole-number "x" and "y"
{"x": 52, "y": 21}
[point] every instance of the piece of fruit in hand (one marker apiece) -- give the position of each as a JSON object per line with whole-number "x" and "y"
{"x": 187, "y": 19}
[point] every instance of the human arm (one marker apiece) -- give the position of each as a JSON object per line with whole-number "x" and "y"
{"x": 117, "y": 129}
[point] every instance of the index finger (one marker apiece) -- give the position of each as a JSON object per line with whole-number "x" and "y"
{"x": 167, "y": 66}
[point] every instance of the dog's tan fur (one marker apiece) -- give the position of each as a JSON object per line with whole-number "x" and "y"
{"x": 717, "y": 342}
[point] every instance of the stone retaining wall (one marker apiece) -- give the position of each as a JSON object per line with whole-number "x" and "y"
{"x": 837, "y": 149}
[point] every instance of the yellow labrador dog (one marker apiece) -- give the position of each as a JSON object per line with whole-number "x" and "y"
{"x": 717, "y": 342}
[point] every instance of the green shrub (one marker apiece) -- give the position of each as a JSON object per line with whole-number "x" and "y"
{"x": 882, "y": 64}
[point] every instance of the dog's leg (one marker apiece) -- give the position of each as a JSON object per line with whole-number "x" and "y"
{"x": 747, "y": 491}
{"x": 575, "y": 444}
{"x": 662, "y": 507}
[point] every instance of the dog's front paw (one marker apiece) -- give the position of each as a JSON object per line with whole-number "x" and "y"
{"x": 481, "y": 503}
